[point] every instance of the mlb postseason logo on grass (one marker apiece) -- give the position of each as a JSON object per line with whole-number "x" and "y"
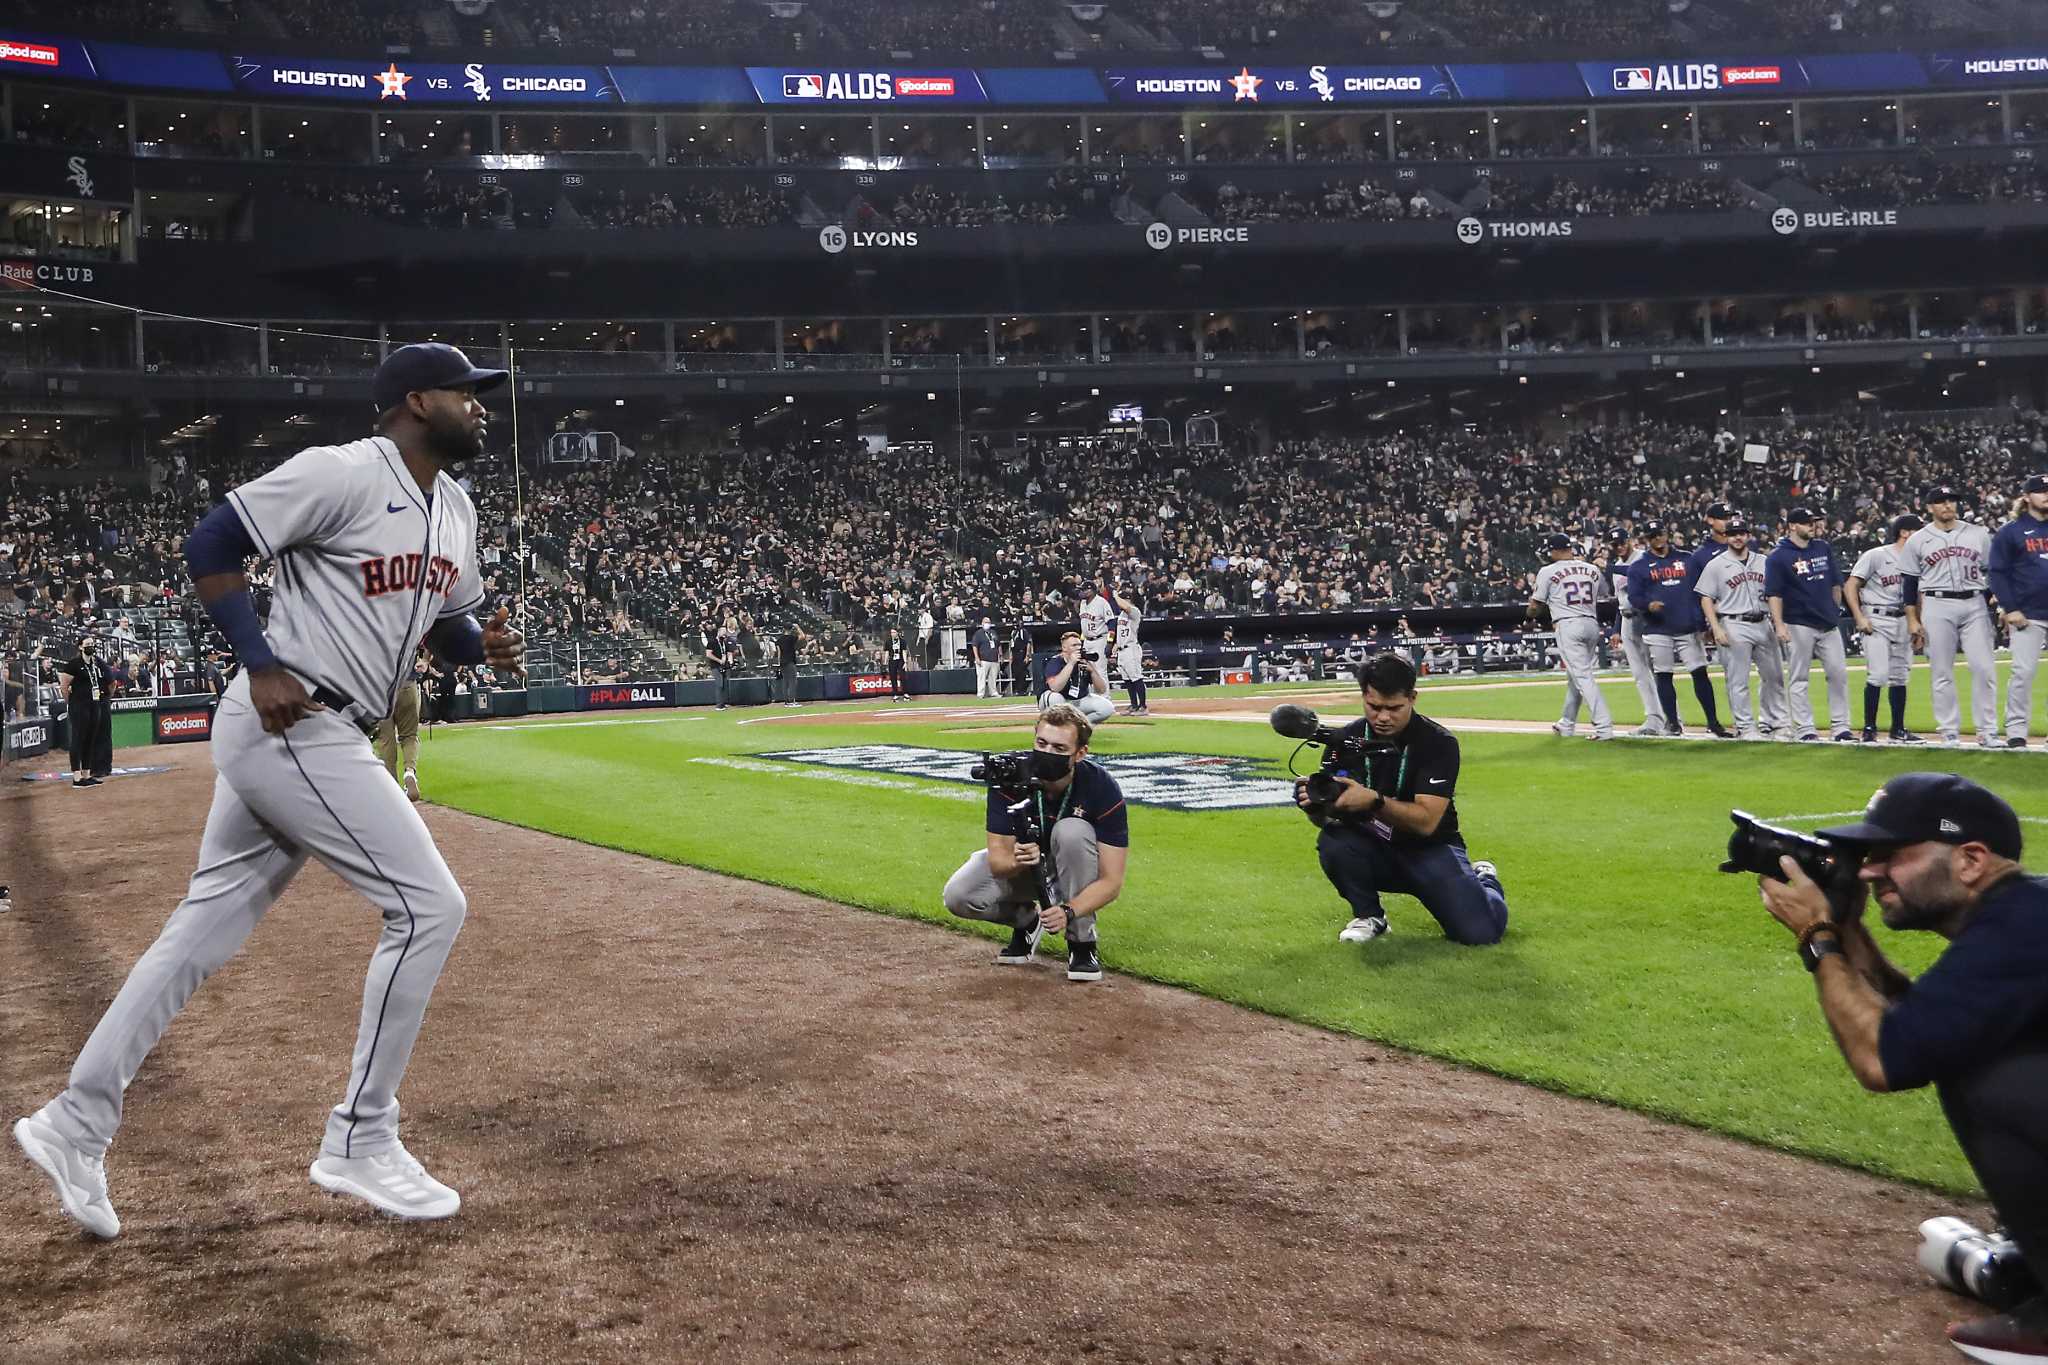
{"x": 1172, "y": 781}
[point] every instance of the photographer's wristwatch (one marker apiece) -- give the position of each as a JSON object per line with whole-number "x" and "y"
{"x": 1816, "y": 943}
{"x": 1379, "y": 803}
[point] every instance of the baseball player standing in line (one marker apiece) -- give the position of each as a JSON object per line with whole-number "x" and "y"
{"x": 375, "y": 546}
{"x": 1803, "y": 583}
{"x": 1717, "y": 517}
{"x": 2018, "y": 574}
{"x": 1623, "y": 551}
{"x": 1660, "y": 589}
{"x": 1731, "y": 594}
{"x": 1130, "y": 655}
{"x": 1943, "y": 565}
{"x": 398, "y": 734}
{"x": 1569, "y": 588}
{"x": 1095, "y": 615}
{"x": 1875, "y": 594}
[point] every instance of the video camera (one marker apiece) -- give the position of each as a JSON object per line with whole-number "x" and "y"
{"x": 1345, "y": 754}
{"x": 1755, "y": 847}
{"x": 1030, "y": 770}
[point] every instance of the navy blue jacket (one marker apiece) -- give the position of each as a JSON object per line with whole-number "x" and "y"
{"x": 2018, "y": 570}
{"x": 1664, "y": 578}
{"x": 1703, "y": 554}
{"x": 1806, "y": 579}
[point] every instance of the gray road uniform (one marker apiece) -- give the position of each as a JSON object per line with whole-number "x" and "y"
{"x": 1888, "y": 647}
{"x": 1633, "y": 647}
{"x": 1950, "y": 566}
{"x": 1570, "y": 588}
{"x": 365, "y": 566}
{"x": 1736, "y": 588}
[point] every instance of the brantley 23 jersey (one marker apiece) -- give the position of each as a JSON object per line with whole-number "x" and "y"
{"x": 365, "y": 564}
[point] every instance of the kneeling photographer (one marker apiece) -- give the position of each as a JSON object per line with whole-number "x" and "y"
{"x": 1384, "y": 800}
{"x": 1940, "y": 853}
{"x": 1055, "y": 788}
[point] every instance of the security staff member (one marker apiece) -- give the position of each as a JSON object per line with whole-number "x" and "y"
{"x": 787, "y": 643}
{"x": 981, "y": 650}
{"x": 721, "y": 647}
{"x": 1394, "y": 827}
{"x": 2018, "y": 573}
{"x": 1804, "y": 586}
{"x": 1875, "y": 594}
{"x": 1731, "y": 594}
{"x": 91, "y": 722}
{"x": 897, "y": 652}
{"x": 1083, "y": 815}
{"x": 1660, "y": 590}
{"x": 1941, "y": 853}
{"x": 1020, "y": 660}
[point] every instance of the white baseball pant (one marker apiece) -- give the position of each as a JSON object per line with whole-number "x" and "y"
{"x": 1887, "y": 651}
{"x": 1963, "y": 623}
{"x": 1753, "y": 642}
{"x": 315, "y": 789}
{"x": 1096, "y": 707}
{"x": 1130, "y": 665}
{"x": 2019, "y": 688}
{"x": 1578, "y": 642}
{"x": 1638, "y": 655}
{"x": 1807, "y": 643}
{"x": 1675, "y": 653}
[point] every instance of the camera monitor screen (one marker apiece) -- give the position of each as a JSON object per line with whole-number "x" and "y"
{"x": 1131, "y": 413}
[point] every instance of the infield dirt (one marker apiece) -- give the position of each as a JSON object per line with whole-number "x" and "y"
{"x": 695, "y": 1119}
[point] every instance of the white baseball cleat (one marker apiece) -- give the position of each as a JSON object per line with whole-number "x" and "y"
{"x": 411, "y": 783}
{"x": 1363, "y": 930}
{"x": 392, "y": 1181}
{"x": 81, "y": 1180}
{"x": 1561, "y": 730}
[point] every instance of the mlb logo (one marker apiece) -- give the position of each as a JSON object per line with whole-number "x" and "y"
{"x": 803, "y": 87}
{"x": 1632, "y": 78}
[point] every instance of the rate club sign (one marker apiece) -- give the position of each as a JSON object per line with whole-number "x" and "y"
{"x": 1172, "y": 781}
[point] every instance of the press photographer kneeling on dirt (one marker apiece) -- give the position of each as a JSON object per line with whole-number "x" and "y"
{"x": 1942, "y": 854}
{"x": 1051, "y": 789}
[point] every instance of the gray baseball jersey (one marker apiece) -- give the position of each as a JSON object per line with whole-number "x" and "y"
{"x": 1095, "y": 614}
{"x": 1734, "y": 586}
{"x": 1570, "y": 588}
{"x": 1947, "y": 561}
{"x": 1882, "y": 580}
{"x": 365, "y": 565}
{"x": 1617, "y": 579}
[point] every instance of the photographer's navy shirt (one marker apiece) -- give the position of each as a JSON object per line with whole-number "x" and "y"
{"x": 1985, "y": 996}
{"x": 1424, "y": 761}
{"x": 1807, "y": 580}
{"x": 1093, "y": 796}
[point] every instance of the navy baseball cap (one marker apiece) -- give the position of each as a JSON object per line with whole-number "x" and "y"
{"x": 1618, "y": 535}
{"x": 1737, "y": 526}
{"x": 1915, "y": 808}
{"x": 1905, "y": 522}
{"x": 1719, "y": 511}
{"x": 2037, "y": 483}
{"x": 1653, "y": 527}
{"x": 427, "y": 365}
{"x": 1942, "y": 492}
{"x": 1557, "y": 540}
{"x": 1802, "y": 514}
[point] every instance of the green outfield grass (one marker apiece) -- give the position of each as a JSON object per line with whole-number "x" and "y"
{"x": 1632, "y": 972}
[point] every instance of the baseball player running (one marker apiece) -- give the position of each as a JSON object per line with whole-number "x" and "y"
{"x": 1569, "y": 588}
{"x": 1803, "y": 584}
{"x": 2018, "y": 574}
{"x": 375, "y": 545}
{"x": 1622, "y": 552}
{"x": 1731, "y": 594}
{"x": 1875, "y": 594}
{"x": 1130, "y": 655}
{"x": 1943, "y": 566}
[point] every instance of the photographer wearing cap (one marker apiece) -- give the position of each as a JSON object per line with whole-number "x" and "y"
{"x": 2018, "y": 573}
{"x": 1396, "y": 830}
{"x": 1083, "y": 810}
{"x": 1942, "y": 854}
{"x": 1078, "y": 681}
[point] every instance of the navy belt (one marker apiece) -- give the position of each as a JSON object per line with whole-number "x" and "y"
{"x": 1886, "y": 611}
{"x": 1952, "y": 596}
{"x": 1754, "y": 616}
{"x": 345, "y": 706}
